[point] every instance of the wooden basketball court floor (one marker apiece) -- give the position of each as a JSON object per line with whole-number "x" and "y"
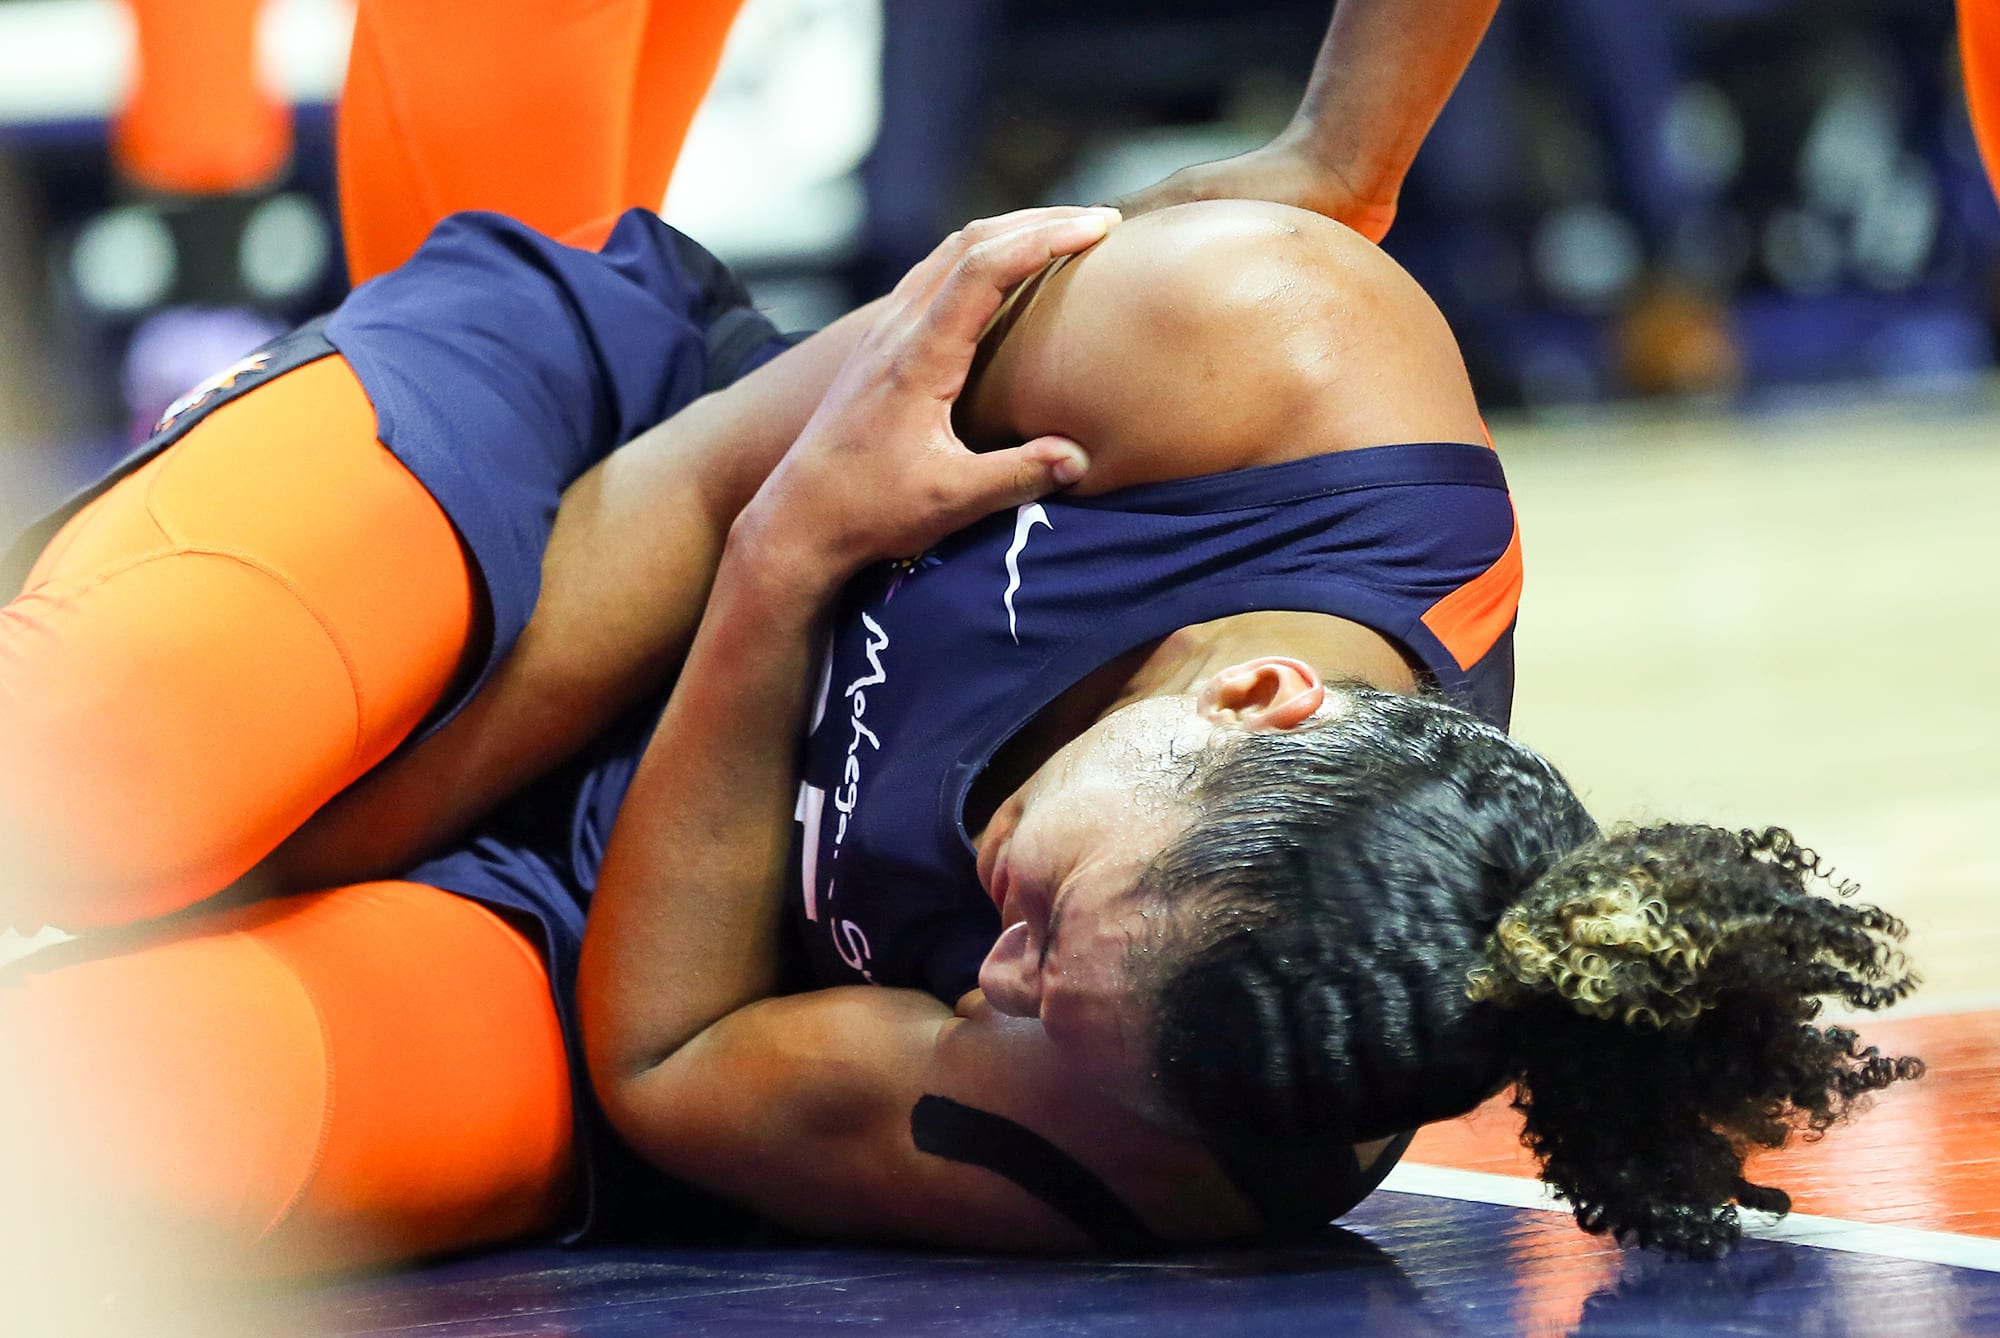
{"x": 1791, "y": 618}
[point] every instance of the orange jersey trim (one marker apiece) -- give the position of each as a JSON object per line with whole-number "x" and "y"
{"x": 1471, "y": 618}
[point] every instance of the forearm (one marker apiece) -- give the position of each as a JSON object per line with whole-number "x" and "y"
{"x": 685, "y": 921}
{"x": 624, "y": 580}
{"x": 1384, "y": 72}
{"x": 684, "y": 925}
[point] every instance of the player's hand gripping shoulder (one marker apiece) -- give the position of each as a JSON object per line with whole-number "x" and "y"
{"x": 802, "y": 1107}
{"x": 879, "y": 472}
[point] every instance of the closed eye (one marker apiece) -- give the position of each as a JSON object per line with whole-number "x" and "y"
{"x": 1049, "y": 934}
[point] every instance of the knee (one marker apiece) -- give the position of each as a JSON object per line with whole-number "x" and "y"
{"x": 165, "y": 1104}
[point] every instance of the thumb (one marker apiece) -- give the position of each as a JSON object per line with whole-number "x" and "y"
{"x": 1022, "y": 473}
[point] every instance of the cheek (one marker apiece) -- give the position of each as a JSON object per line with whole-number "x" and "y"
{"x": 1095, "y": 1041}
{"x": 1092, "y": 1012}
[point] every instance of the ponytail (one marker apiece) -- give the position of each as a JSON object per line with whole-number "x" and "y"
{"x": 1661, "y": 987}
{"x": 1387, "y": 916}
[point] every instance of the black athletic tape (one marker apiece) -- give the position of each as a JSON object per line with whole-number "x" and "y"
{"x": 961, "y": 1133}
{"x": 1301, "y": 1189}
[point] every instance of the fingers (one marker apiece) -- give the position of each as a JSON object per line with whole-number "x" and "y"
{"x": 996, "y": 480}
{"x": 972, "y": 290}
{"x": 1173, "y": 190}
{"x": 923, "y": 280}
{"x": 976, "y": 266}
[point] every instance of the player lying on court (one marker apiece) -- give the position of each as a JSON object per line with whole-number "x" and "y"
{"x": 1161, "y": 857}
{"x": 1223, "y": 749}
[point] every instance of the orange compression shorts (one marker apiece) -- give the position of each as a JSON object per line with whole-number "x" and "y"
{"x": 334, "y": 1080}
{"x": 551, "y": 114}
{"x": 214, "y": 648}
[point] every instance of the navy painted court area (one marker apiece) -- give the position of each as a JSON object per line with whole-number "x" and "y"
{"x": 1411, "y": 1264}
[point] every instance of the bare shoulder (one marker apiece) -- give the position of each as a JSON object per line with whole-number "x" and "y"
{"x": 1221, "y": 335}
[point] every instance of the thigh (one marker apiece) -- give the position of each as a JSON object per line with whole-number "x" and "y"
{"x": 346, "y": 1078}
{"x": 216, "y": 647}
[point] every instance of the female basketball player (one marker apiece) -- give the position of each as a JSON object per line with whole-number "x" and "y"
{"x": 380, "y": 1070}
{"x": 1234, "y": 921}
{"x": 1256, "y": 904}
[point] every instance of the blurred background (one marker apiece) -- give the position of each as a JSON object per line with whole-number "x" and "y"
{"x": 1744, "y": 200}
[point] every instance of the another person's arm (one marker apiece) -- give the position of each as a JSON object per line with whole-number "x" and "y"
{"x": 1383, "y": 73}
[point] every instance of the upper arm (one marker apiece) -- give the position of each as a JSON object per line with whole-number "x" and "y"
{"x": 800, "y": 1108}
{"x": 1222, "y": 335}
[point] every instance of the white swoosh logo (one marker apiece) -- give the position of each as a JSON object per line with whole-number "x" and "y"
{"x": 1026, "y": 518}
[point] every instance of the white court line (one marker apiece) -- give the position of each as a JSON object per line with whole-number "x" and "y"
{"x": 1827, "y": 1233}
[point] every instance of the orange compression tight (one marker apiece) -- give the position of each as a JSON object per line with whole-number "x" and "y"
{"x": 213, "y": 649}
{"x": 334, "y": 1080}
{"x": 552, "y": 114}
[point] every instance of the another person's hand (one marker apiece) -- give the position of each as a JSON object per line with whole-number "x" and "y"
{"x": 878, "y": 471}
{"x": 1285, "y": 171}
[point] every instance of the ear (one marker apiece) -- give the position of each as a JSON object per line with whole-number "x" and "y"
{"x": 1271, "y": 692}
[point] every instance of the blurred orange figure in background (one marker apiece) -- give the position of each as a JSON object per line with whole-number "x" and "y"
{"x": 198, "y": 121}
{"x": 1979, "y": 45}
{"x": 552, "y": 114}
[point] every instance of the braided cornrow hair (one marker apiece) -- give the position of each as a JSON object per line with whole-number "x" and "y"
{"x": 1383, "y": 918}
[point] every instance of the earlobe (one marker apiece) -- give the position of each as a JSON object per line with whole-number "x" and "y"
{"x": 1270, "y": 692}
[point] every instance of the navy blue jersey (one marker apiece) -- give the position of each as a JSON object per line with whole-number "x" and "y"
{"x": 936, "y": 662}
{"x": 501, "y": 365}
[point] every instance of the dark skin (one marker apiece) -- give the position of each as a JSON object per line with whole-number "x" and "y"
{"x": 1381, "y": 76}
{"x": 713, "y": 1080}
{"x": 799, "y": 1106}
{"x": 1289, "y": 337}
{"x": 621, "y": 595}
{"x": 622, "y": 592}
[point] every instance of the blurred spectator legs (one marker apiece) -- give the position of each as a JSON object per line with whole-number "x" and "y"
{"x": 1979, "y": 47}
{"x": 198, "y": 121}
{"x": 198, "y": 251}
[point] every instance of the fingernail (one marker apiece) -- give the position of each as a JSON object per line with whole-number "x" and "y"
{"x": 1109, "y": 211}
{"x": 1069, "y": 468}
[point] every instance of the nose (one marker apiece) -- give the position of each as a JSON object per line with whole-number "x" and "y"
{"x": 1011, "y": 975}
